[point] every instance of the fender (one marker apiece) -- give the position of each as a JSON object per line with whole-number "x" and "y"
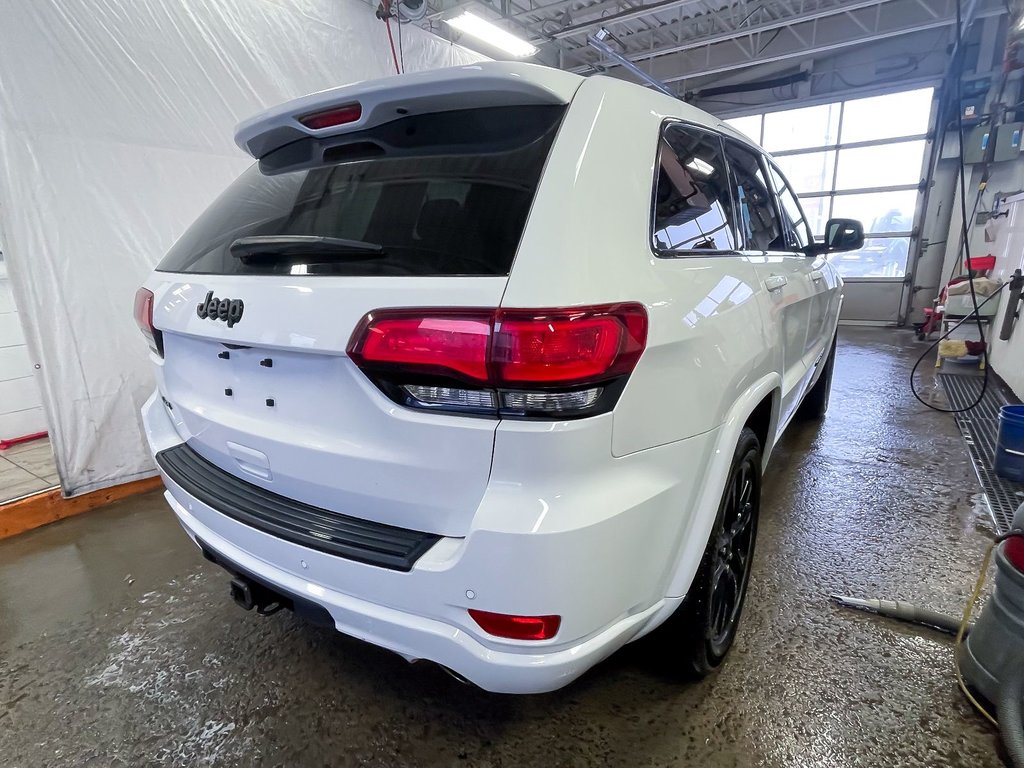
{"x": 695, "y": 537}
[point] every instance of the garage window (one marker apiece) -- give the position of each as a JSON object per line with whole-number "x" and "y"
{"x": 692, "y": 203}
{"x": 859, "y": 159}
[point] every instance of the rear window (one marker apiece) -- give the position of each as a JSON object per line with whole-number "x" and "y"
{"x": 439, "y": 194}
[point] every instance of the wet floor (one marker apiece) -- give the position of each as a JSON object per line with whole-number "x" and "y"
{"x": 119, "y": 645}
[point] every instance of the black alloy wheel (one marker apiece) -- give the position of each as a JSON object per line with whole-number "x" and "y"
{"x": 734, "y": 550}
{"x": 694, "y": 641}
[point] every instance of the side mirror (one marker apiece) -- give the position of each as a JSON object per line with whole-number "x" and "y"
{"x": 840, "y": 235}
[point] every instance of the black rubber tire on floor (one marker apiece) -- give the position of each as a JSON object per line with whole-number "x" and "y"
{"x": 816, "y": 402}
{"x": 690, "y": 646}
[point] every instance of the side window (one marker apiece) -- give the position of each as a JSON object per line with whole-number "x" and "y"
{"x": 692, "y": 203}
{"x": 757, "y": 219}
{"x": 798, "y": 234}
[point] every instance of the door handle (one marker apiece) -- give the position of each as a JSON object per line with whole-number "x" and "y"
{"x": 775, "y": 282}
{"x": 817, "y": 276}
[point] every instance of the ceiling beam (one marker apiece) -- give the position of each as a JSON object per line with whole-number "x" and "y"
{"x": 768, "y": 26}
{"x": 822, "y": 35}
{"x": 617, "y": 18}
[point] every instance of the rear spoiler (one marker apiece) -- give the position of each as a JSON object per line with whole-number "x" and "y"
{"x": 363, "y": 105}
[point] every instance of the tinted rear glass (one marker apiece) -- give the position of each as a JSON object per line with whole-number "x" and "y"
{"x": 440, "y": 194}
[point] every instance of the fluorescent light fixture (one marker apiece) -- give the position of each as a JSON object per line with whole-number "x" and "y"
{"x": 494, "y": 35}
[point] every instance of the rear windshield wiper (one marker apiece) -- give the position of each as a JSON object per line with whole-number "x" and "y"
{"x": 288, "y": 246}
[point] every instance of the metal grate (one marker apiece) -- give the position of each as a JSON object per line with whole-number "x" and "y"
{"x": 979, "y": 427}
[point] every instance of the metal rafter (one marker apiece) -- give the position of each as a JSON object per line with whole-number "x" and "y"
{"x": 729, "y": 29}
{"x": 821, "y": 23}
{"x": 807, "y": 39}
{"x": 682, "y": 39}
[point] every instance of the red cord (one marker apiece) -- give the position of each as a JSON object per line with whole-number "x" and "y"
{"x": 387, "y": 23}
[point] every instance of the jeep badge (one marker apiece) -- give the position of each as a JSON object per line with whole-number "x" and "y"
{"x": 229, "y": 310}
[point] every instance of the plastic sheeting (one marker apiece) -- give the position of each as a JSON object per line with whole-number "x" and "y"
{"x": 116, "y": 121}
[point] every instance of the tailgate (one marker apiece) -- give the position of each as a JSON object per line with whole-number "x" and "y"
{"x": 274, "y": 399}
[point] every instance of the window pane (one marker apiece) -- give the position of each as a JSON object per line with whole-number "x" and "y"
{"x": 692, "y": 202}
{"x": 882, "y": 166}
{"x": 878, "y": 211}
{"x": 816, "y": 210}
{"x": 758, "y": 221}
{"x": 889, "y": 116}
{"x": 749, "y": 126}
{"x": 811, "y": 172}
{"x": 796, "y": 226}
{"x": 454, "y": 201}
{"x": 801, "y": 128}
{"x": 880, "y": 257}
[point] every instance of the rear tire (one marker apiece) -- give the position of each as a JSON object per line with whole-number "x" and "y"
{"x": 815, "y": 403}
{"x": 696, "y": 638}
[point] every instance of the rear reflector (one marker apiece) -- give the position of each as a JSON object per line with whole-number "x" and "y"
{"x": 144, "y": 319}
{"x": 517, "y": 627}
{"x": 1014, "y": 551}
{"x": 347, "y": 113}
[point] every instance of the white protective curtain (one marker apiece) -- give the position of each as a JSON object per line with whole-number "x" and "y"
{"x": 116, "y": 123}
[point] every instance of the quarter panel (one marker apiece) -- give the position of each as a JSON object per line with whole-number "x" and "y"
{"x": 707, "y": 344}
{"x": 587, "y": 241}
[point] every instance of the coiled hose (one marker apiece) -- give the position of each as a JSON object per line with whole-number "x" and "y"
{"x": 1011, "y": 717}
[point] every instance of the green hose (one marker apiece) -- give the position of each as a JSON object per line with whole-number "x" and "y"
{"x": 1011, "y": 718}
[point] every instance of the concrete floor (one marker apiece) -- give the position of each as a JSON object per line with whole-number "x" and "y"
{"x": 27, "y": 468}
{"x": 119, "y": 645}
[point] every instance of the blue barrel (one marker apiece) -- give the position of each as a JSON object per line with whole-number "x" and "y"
{"x": 1010, "y": 443}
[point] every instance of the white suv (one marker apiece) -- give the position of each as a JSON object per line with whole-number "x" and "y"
{"x": 482, "y": 365}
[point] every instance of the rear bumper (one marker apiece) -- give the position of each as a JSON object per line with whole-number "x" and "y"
{"x": 418, "y": 637}
{"x": 601, "y": 560}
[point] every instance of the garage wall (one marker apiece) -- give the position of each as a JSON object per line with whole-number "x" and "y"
{"x": 1007, "y": 357}
{"x": 116, "y": 125}
{"x": 21, "y": 410}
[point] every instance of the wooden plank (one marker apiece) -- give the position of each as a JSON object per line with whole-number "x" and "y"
{"x": 48, "y": 507}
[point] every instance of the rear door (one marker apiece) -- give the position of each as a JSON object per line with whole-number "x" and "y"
{"x": 824, "y": 282}
{"x": 258, "y": 301}
{"x": 784, "y": 273}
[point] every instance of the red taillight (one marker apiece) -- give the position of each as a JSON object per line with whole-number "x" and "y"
{"x": 525, "y": 362}
{"x": 347, "y": 113}
{"x": 567, "y": 347}
{"x": 144, "y": 319}
{"x": 1014, "y": 551}
{"x": 517, "y": 627}
{"x": 439, "y": 343}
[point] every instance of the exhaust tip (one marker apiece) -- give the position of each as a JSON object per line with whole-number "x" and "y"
{"x": 457, "y": 676}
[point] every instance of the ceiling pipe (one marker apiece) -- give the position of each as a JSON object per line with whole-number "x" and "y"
{"x": 597, "y": 41}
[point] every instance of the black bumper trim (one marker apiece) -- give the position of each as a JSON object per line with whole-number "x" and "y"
{"x": 364, "y": 541}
